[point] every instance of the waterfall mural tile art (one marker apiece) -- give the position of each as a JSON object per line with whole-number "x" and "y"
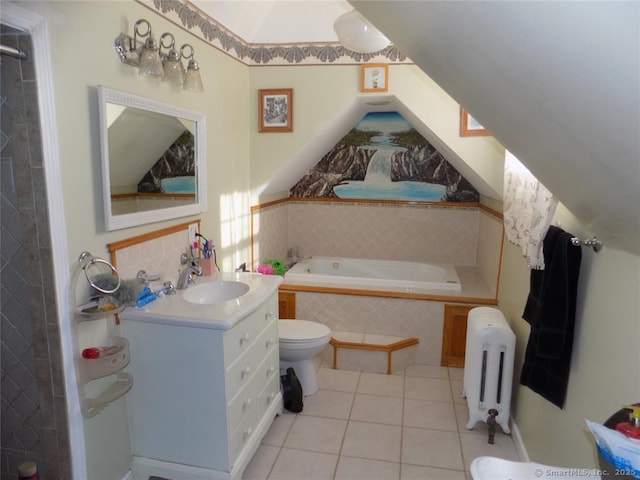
{"x": 384, "y": 158}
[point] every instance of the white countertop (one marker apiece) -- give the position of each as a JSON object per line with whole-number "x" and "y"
{"x": 174, "y": 310}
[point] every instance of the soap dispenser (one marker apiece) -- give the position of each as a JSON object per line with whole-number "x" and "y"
{"x": 631, "y": 428}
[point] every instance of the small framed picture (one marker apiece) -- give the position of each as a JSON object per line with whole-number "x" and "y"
{"x": 275, "y": 110}
{"x": 469, "y": 126}
{"x": 374, "y": 77}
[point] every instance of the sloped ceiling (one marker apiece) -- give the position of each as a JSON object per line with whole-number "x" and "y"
{"x": 557, "y": 83}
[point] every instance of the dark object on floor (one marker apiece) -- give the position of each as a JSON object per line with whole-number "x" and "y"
{"x": 291, "y": 391}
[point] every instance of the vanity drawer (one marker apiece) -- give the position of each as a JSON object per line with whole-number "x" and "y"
{"x": 241, "y": 372}
{"x": 238, "y": 339}
{"x": 242, "y": 437}
{"x": 267, "y": 314}
{"x": 267, "y": 370}
{"x": 268, "y": 395}
{"x": 268, "y": 339}
{"x": 243, "y": 405}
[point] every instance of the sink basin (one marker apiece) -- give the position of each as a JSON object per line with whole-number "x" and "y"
{"x": 215, "y": 292}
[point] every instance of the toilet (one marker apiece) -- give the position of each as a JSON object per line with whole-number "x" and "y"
{"x": 300, "y": 342}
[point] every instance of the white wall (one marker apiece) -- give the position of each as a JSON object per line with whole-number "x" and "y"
{"x": 604, "y": 367}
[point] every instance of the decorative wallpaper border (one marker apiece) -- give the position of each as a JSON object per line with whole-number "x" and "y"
{"x": 201, "y": 25}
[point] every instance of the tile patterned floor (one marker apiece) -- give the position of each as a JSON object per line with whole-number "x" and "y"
{"x": 369, "y": 426}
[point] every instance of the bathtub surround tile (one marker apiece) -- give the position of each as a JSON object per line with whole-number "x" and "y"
{"x": 159, "y": 256}
{"x": 362, "y": 360}
{"x": 383, "y": 316}
{"x": 348, "y": 336}
{"x": 378, "y": 409}
{"x": 297, "y": 464}
{"x": 373, "y": 441}
{"x": 316, "y": 434}
{"x": 360, "y": 230}
{"x": 431, "y": 448}
{"x": 380, "y": 339}
{"x": 350, "y": 468}
{"x": 403, "y": 358}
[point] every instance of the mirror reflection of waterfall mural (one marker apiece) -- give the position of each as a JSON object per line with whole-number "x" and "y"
{"x": 384, "y": 158}
{"x": 175, "y": 170}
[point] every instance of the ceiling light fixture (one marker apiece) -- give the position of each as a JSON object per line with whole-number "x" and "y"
{"x": 154, "y": 63}
{"x": 357, "y": 34}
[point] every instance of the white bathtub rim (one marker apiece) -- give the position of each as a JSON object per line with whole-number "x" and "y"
{"x": 294, "y": 276}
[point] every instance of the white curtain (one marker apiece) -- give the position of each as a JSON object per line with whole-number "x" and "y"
{"x": 528, "y": 210}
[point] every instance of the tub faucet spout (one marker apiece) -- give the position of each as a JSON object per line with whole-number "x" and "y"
{"x": 186, "y": 276}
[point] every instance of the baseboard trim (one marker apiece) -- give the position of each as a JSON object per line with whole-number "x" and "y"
{"x": 519, "y": 443}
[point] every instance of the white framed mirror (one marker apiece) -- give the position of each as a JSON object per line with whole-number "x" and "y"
{"x": 153, "y": 160}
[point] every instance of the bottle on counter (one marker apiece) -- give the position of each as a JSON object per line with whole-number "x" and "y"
{"x": 631, "y": 428}
{"x": 28, "y": 471}
{"x": 97, "y": 352}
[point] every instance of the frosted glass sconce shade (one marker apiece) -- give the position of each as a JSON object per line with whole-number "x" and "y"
{"x": 150, "y": 64}
{"x": 357, "y": 34}
{"x": 192, "y": 80}
{"x": 154, "y": 62}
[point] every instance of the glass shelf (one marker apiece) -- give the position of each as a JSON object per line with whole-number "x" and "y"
{"x": 91, "y": 406}
{"x": 105, "y": 365}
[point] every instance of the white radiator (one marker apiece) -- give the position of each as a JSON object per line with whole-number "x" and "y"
{"x": 488, "y": 366}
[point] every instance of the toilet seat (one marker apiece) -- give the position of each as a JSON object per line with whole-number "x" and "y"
{"x": 301, "y": 331}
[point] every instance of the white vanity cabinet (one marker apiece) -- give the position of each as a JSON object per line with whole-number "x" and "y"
{"x": 205, "y": 396}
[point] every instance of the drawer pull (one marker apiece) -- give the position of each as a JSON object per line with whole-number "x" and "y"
{"x": 269, "y": 316}
{"x": 247, "y": 433}
{"x": 245, "y": 338}
{"x": 270, "y": 371}
{"x": 245, "y": 371}
{"x": 270, "y": 343}
{"x": 270, "y": 397}
{"x": 247, "y": 403}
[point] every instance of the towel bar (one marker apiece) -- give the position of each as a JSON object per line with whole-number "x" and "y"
{"x": 589, "y": 242}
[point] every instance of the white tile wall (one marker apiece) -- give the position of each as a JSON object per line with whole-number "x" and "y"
{"x": 490, "y": 239}
{"x": 424, "y": 233}
{"x": 383, "y": 316}
{"x": 158, "y": 256}
{"x": 270, "y": 233}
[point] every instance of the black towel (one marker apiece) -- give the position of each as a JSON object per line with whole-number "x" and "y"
{"x": 550, "y": 310}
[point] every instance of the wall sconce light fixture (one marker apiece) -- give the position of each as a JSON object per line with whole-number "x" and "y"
{"x": 153, "y": 62}
{"x": 357, "y": 34}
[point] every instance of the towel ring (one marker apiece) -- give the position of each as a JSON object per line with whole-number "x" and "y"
{"x": 92, "y": 282}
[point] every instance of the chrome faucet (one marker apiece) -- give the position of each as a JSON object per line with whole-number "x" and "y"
{"x": 186, "y": 276}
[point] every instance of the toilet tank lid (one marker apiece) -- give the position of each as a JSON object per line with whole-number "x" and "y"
{"x": 301, "y": 330}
